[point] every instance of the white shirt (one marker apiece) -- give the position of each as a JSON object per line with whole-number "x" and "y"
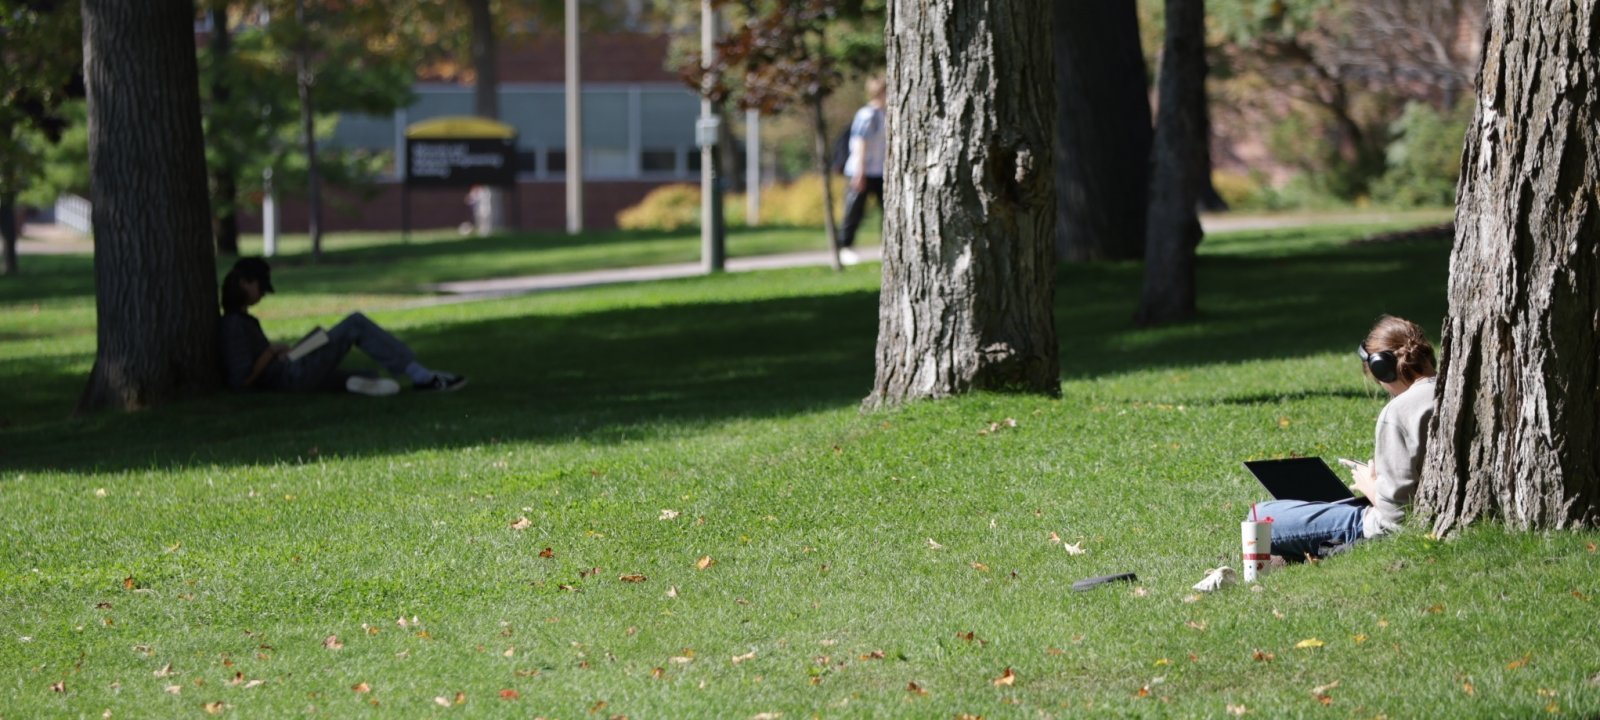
{"x": 867, "y": 134}
{"x": 1401, "y": 440}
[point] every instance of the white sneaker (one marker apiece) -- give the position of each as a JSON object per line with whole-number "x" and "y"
{"x": 376, "y": 387}
{"x": 848, "y": 257}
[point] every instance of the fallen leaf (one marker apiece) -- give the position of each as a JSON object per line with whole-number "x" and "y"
{"x": 461, "y": 698}
{"x": 510, "y": 652}
{"x": 1466, "y": 687}
{"x": 766, "y": 716}
{"x": 173, "y": 689}
{"x": 100, "y": 492}
{"x": 547, "y": 553}
{"x": 441, "y": 701}
{"x": 680, "y": 659}
{"x": 128, "y": 583}
{"x": 331, "y": 642}
{"x": 635, "y": 578}
{"x": 747, "y": 656}
{"x": 361, "y": 687}
{"x": 598, "y": 706}
{"x": 658, "y": 673}
{"x": 1323, "y": 689}
{"x": 1514, "y": 664}
{"x": 1237, "y": 710}
{"x": 254, "y": 683}
{"x": 60, "y": 686}
{"x": 586, "y": 573}
{"x": 1260, "y": 656}
{"x": 1006, "y": 678}
{"x": 915, "y": 689}
{"x": 1144, "y": 691}
{"x": 1055, "y": 539}
{"x": 672, "y": 591}
{"x": 1196, "y": 625}
{"x": 1552, "y": 708}
{"x": 1435, "y": 609}
{"x": 704, "y": 562}
{"x": 1074, "y": 548}
{"x": 874, "y": 655}
{"x": 1283, "y": 421}
{"x": 1590, "y": 547}
{"x": 1055, "y": 651}
{"x": 1161, "y": 661}
{"x": 1308, "y": 643}
{"x": 980, "y": 567}
{"x": 932, "y": 545}
{"x": 214, "y": 708}
{"x": 165, "y": 671}
{"x": 668, "y": 515}
{"x": 1140, "y": 591}
{"x": 509, "y": 694}
{"x": 1359, "y": 638}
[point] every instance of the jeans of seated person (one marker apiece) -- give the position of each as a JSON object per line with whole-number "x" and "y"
{"x": 1300, "y": 527}
{"x": 319, "y": 370}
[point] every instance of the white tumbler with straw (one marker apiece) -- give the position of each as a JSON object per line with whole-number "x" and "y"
{"x": 1257, "y": 538}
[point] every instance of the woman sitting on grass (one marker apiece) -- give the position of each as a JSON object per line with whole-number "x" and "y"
{"x": 249, "y": 360}
{"x": 1397, "y": 356}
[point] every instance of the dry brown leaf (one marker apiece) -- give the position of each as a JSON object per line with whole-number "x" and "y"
{"x": 59, "y": 686}
{"x": 99, "y": 492}
{"x": 1435, "y": 609}
{"x": 1519, "y": 662}
{"x": 1261, "y": 656}
{"x": 441, "y": 701}
{"x": 165, "y": 671}
{"x": 510, "y": 652}
{"x": 509, "y": 694}
{"x": 1006, "y": 678}
{"x": 586, "y": 573}
{"x": 980, "y": 567}
{"x": 1055, "y": 651}
{"x": 128, "y": 583}
{"x": 598, "y": 706}
{"x": 214, "y": 708}
{"x": 634, "y": 578}
{"x": 672, "y": 591}
{"x": 461, "y": 698}
{"x": 173, "y": 689}
{"x": 874, "y": 655}
{"x": 1323, "y": 689}
{"x": 658, "y": 673}
{"x": 1074, "y": 548}
{"x": 1140, "y": 591}
{"x": 1237, "y": 710}
{"x": 668, "y": 515}
{"x": 1383, "y": 622}
{"x": 1055, "y": 539}
{"x": 547, "y": 553}
{"x": 254, "y": 683}
{"x": 361, "y": 687}
{"x": 1161, "y": 662}
{"x": 1466, "y": 687}
{"x": 933, "y": 545}
{"x": 704, "y": 562}
{"x": 332, "y": 642}
{"x": 1359, "y": 638}
{"x": 1144, "y": 691}
{"x": 915, "y": 689}
{"x": 680, "y": 659}
{"x": 1196, "y": 625}
{"x": 1590, "y": 547}
{"x": 747, "y": 656}
{"x": 521, "y": 523}
{"x": 766, "y": 716}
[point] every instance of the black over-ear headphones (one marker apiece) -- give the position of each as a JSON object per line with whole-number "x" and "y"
{"x": 1382, "y": 365}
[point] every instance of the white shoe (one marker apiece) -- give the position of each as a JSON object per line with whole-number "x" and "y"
{"x": 376, "y": 387}
{"x": 848, "y": 257}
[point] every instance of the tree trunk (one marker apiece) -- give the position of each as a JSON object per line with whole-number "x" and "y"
{"x": 1103, "y": 135}
{"x": 1180, "y": 150}
{"x": 8, "y": 234}
{"x": 486, "y": 100}
{"x": 1516, "y": 433}
{"x": 155, "y": 271}
{"x": 224, "y": 176}
{"x": 819, "y": 143}
{"x": 969, "y": 230}
{"x": 308, "y": 132}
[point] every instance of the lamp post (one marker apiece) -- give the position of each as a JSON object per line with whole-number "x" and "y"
{"x": 712, "y": 249}
{"x": 574, "y": 167}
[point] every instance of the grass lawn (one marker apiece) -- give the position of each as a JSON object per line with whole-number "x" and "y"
{"x": 713, "y": 529}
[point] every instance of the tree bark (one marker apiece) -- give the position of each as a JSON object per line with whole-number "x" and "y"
{"x": 1103, "y": 134}
{"x": 155, "y": 270}
{"x": 819, "y": 143}
{"x": 486, "y": 98}
{"x": 969, "y": 262}
{"x": 1180, "y": 156}
{"x": 1516, "y": 432}
{"x": 306, "y": 78}
{"x": 8, "y": 234}
{"x": 224, "y": 176}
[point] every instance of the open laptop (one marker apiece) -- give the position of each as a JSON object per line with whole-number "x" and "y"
{"x": 1302, "y": 479}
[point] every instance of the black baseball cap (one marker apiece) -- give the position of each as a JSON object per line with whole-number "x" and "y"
{"x": 254, "y": 268}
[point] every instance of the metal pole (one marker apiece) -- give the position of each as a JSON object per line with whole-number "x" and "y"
{"x": 574, "y": 125}
{"x": 752, "y": 167}
{"x": 269, "y": 215}
{"x": 711, "y": 246}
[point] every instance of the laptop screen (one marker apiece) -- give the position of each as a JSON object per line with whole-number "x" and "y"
{"x": 1300, "y": 479}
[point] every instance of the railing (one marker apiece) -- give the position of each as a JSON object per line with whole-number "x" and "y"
{"x": 76, "y": 213}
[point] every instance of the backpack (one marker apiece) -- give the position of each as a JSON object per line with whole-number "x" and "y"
{"x": 841, "y": 152}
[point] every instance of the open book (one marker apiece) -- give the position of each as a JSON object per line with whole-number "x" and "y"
{"x": 313, "y": 340}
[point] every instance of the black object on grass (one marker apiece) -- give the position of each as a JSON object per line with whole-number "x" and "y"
{"x": 1088, "y": 583}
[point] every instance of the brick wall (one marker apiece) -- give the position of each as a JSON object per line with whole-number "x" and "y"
{"x": 540, "y": 206}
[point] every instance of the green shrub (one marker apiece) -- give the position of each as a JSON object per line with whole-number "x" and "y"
{"x": 1424, "y": 157}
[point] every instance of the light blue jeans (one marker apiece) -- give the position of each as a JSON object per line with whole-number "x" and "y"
{"x": 1300, "y": 527}
{"x": 320, "y": 368}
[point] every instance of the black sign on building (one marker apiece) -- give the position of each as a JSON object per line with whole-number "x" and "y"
{"x": 458, "y": 152}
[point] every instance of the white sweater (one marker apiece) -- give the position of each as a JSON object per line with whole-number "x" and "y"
{"x": 1402, "y": 438}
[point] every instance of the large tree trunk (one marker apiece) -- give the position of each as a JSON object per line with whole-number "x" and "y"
{"x": 1516, "y": 432}
{"x": 1103, "y": 135}
{"x": 155, "y": 271}
{"x": 486, "y": 100}
{"x": 969, "y": 228}
{"x": 1180, "y": 158}
{"x": 224, "y": 176}
{"x": 8, "y": 233}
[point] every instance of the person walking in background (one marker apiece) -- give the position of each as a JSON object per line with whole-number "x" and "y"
{"x": 249, "y": 360}
{"x": 869, "y": 141}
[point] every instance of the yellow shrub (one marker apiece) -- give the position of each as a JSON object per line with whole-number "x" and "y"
{"x": 677, "y": 206}
{"x": 799, "y": 203}
{"x": 1239, "y": 190}
{"x": 669, "y": 207}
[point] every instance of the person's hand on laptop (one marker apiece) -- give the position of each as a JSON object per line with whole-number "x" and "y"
{"x": 1365, "y": 481}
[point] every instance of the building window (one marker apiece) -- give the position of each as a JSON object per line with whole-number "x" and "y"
{"x": 555, "y": 161}
{"x": 659, "y": 160}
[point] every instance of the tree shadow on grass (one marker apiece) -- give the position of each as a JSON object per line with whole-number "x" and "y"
{"x": 639, "y": 372}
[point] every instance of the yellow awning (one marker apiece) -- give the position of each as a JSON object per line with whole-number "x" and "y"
{"x": 459, "y": 126}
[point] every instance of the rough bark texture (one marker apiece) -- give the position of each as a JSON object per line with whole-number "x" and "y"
{"x": 224, "y": 176}
{"x": 1516, "y": 432}
{"x": 155, "y": 271}
{"x": 1180, "y": 158}
{"x": 8, "y": 234}
{"x": 819, "y": 144}
{"x": 308, "y": 132}
{"x": 969, "y": 217}
{"x": 1104, "y": 133}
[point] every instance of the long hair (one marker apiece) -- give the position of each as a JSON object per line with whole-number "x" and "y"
{"x": 1414, "y": 358}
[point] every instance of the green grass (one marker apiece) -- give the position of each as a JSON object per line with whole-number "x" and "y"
{"x": 253, "y": 527}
